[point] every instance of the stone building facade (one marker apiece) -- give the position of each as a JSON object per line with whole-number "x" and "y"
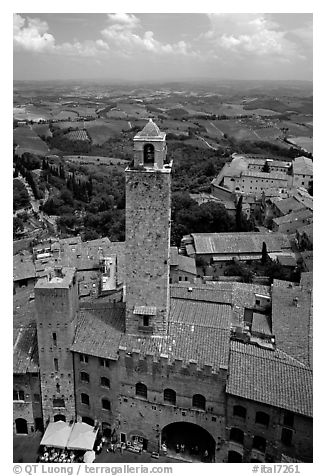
{"x": 56, "y": 302}
{"x": 156, "y": 368}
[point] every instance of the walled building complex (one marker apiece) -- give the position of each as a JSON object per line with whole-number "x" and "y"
{"x": 156, "y": 359}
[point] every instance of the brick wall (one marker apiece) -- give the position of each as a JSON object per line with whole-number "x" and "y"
{"x": 56, "y": 313}
{"x": 300, "y": 448}
{"x": 148, "y": 201}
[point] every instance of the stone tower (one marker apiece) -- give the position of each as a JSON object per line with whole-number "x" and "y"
{"x": 56, "y": 301}
{"x": 148, "y": 204}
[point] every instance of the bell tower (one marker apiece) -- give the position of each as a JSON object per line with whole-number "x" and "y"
{"x": 148, "y": 209}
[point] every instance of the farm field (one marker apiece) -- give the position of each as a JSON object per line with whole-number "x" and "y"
{"x": 296, "y": 129}
{"x": 304, "y": 142}
{"x": 77, "y": 135}
{"x": 28, "y": 141}
{"x": 32, "y": 113}
{"x": 65, "y": 115}
{"x": 236, "y": 129}
{"x": 42, "y": 130}
{"x": 98, "y": 130}
{"x": 94, "y": 160}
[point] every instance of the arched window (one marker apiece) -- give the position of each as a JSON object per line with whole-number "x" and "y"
{"x": 84, "y": 398}
{"x": 259, "y": 443}
{"x": 105, "y": 382}
{"x": 141, "y": 390}
{"x": 84, "y": 377}
{"x": 262, "y": 418}
{"x": 149, "y": 154}
{"x": 169, "y": 396}
{"x": 239, "y": 411}
{"x": 88, "y": 420}
{"x": 236, "y": 435}
{"x": 59, "y": 418}
{"x": 106, "y": 405}
{"x": 198, "y": 401}
{"x": 19, "y": 395}
{"x": 21, "y": 426}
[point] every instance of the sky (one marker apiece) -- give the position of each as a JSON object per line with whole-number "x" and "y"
{"x": 162, "y": 46}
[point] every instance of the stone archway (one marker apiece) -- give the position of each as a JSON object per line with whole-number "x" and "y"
{"x": 199, "y": 445}
{"x": 59, "y": 417}
{"x": 21, "y": 426}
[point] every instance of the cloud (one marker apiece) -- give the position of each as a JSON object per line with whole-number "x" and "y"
{"x": 122, "y": 36}
{"x": 248, "y": 34}
{"x": 123, "y": 21}
{"x": 32, "y": 34}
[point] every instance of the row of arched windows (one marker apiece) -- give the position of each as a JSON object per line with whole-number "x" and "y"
{"x": 170, "y": 396}
{"x": 258, "y": 442}
{"x": 261, "y": 417}
{"x": 104, "y": 381}
{"x": 106, "y": 404}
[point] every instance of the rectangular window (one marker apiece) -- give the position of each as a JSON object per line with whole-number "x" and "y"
{"x": 146, "y": 321}
{"x": 54, "y": 338}
{"x": 36, "y": 397}
{"x": 56, "y": 365}
{"x": 83, "y": 358}
{"x": 288, "y": 419}
{"x": 104, "y": 362}
{"x": 58, "y": 402}
{"x": 286, "y": 437}
{"x": 19, "y": 395}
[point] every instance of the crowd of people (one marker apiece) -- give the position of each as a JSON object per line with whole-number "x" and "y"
{"x": 56, "y": 455}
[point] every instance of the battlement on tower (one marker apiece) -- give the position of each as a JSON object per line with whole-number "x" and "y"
{"x": 159, "y": 364}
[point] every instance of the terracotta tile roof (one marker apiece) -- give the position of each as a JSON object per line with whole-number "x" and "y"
{"x": 99, "y": 330}
{"x": 292, "y": 320}
{"x": 23, "y": 266}
{"x": 201, "y": 293}
{"x": 150, "y": 130}
{"x": 290, "y": 217}
{"x": 173, "y": 256}
{"x": 23, "y": 308}
{"x": 187, "y": 264}
{"x": 25, "y": 355}
{"x": 302, "y": 166}
{"x": 185, "y": 342}
{"x": 288, "y": 205}
{"x": 207, "y": 314}
{"x": 261, "y": 324}
{"x": 197, "y": 331}
{"x": 249, "y": 242}
{"x": 270, "y": 377}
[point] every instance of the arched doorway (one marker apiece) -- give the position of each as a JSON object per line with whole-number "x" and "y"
{"x": 149, "y": 154}
{"x": 39, "y": 424}
{"x": 21, "y": 426}
{"x": 88, "y": 420}
{"x": 234, "y": 457}
{"x": 59, "y": 417}
{"x": 198, "y": 443}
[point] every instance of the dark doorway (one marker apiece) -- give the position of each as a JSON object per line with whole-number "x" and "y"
{"x": 89, "y": 421}
{"x": 106, "y": 430}
{"x": 39, "y": 424}
{"x": 59, "y": 417}
{"x": 21, "y": 426}
{"x": 198, "y": 443}
{"x": 234, "y": 457}
{"x": 149, "y": 154}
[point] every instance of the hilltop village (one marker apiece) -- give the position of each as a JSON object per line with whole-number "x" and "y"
{"x": 206, "y": 344}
